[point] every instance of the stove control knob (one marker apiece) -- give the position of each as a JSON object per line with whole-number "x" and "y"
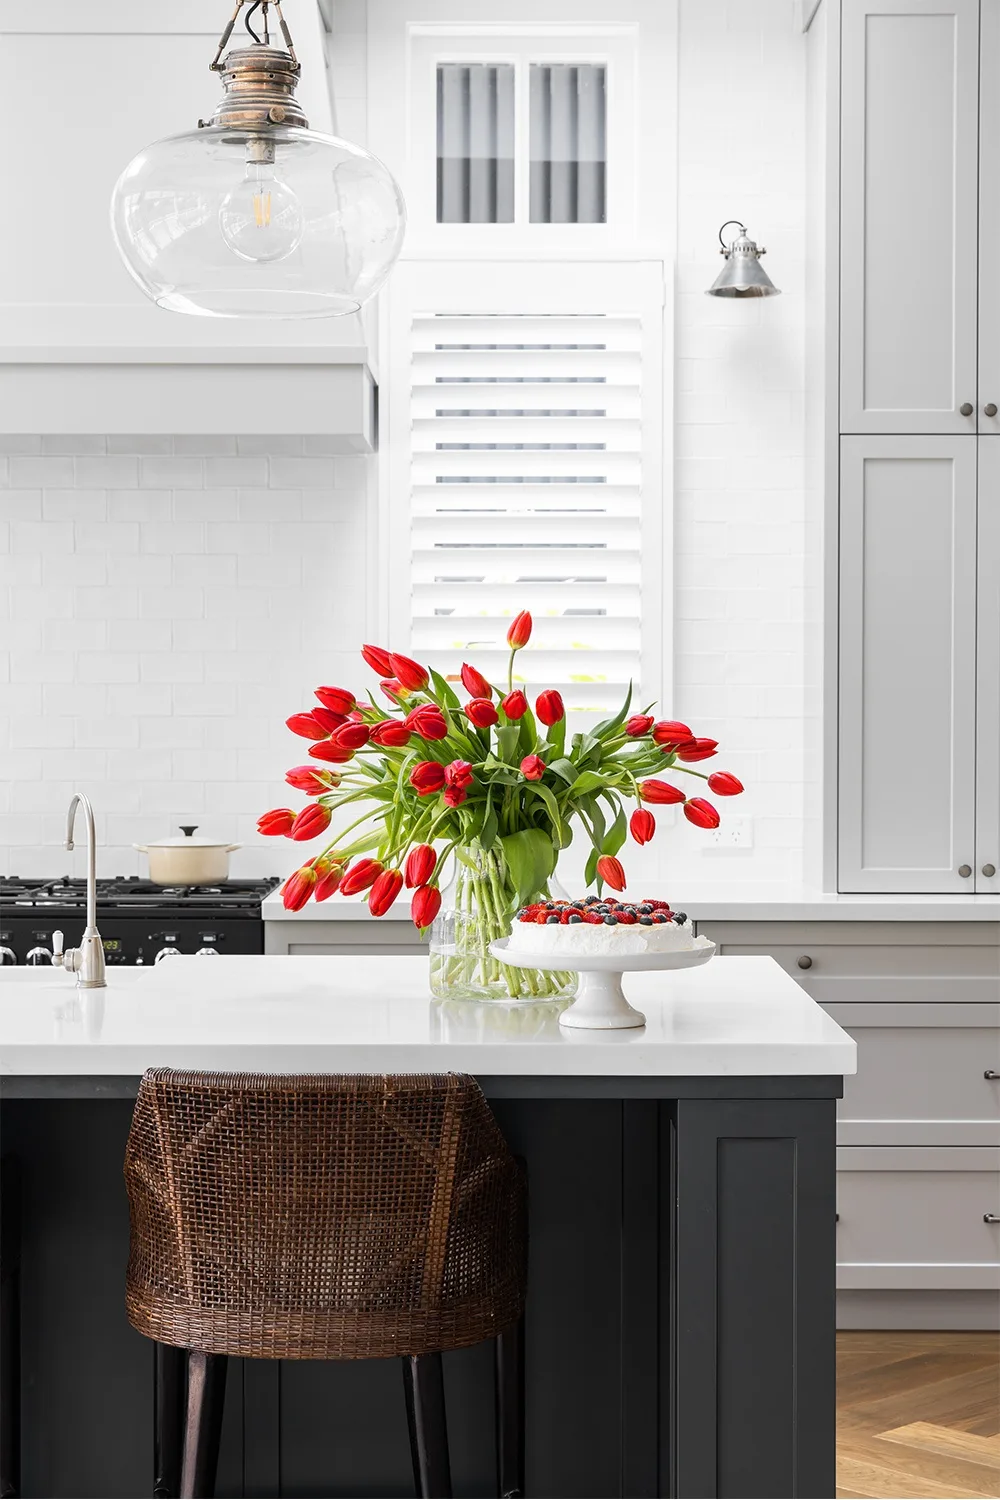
{"x": 165, "y": 953}
{"x": 207, "y": 953}
{"x": 8, "y": 956}
{"x": 37, "y": 956}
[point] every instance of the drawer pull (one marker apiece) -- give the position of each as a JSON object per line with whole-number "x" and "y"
{"x": 991, "y": 1075}
{"x": 991, "y": 1218}
{"x": 804, "y": 961}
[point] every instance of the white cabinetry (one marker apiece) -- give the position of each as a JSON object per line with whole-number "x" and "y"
{"x": 917, "y": 695}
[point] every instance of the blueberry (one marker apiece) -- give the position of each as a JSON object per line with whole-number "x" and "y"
{"x": 645, "y": 908}
{"x": 550, "y": 920}
{"x": 680, "y": 917}
{"x": 646, "y": 921}
{"x": 659, "y": 918}
{"x": 549, "y": 905}
{"x": 610, "y": 921}
{"x": 575, "y": 917}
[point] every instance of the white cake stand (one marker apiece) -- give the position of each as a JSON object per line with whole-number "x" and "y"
{"x": 600, "y": 1004}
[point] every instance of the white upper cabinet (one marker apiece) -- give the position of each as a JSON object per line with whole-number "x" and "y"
{"x": 908, "y": 664}
{"x": 989, "y": 219}
{"x": 909, "y": 215}
{"x": 988, "y": 670}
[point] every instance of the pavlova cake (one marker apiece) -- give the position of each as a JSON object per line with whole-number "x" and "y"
{"x": 596, "y": 927}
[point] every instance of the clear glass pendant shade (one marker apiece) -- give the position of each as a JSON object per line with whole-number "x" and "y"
{"x": 228, "y": 223}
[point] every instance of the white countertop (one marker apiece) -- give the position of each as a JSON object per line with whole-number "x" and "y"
{"x": 718, "y": 904}
{"x": 739, "y": 1017}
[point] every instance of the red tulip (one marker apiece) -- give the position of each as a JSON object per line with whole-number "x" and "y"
{"x": 298, "y": 888}
{"x": 420, "y": 865}
{"x": 642, "y": 825}
{"x": 481, "y": 712}
{"x": 458, "y": 773}
{"x": 312, "y": 780}
{"x": 390, "y": 732}
{"x": 475, "y": 683}
{"x": 328, "y": 883}
{"x": 360, "y": 876}
{"x": 425, "y": 905}
{"x": 659, "y": 791}
{"x": 725, "y": 784}
{"x": 393, "y": 689}
{"x": 312, "y": 820}
{"x": 384, "y": 891}
{"x": 428, "y": 721}
{"x": 533, "y": 767}
{"x": 454, "y": 796}
{"x": 330, "y": 750}
{"x": 410, "y": 673}
{"x": 639, "y": 724}
{"x": 515, "y": 705}
{"x": 549, "y": 706}
{"x": 697, "y": 749}
{"x": 670, "y": 733}
{"x": 380, "y": 661}
{"x": 701, "y": 813}
{"x": 519, "y": 633}
{"x": 277, "y": 822}
{"x": 611, "y": 872}
{"x": 337, "y": 699}
{"x": 307, "y": 726}
{"x": 351, "y": 735}
{"x": 427, "y": 777}
{"x": 327, "y": 719}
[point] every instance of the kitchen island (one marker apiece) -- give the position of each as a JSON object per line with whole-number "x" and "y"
{"x": 680, "y": 1326}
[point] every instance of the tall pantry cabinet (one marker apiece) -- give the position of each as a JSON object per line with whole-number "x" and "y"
{"x": 918, "y": 806}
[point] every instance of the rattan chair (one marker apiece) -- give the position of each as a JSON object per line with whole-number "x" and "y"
{"x": 310, "y": 1217}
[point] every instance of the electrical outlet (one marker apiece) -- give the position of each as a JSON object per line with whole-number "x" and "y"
{"x": 732, "y": 834}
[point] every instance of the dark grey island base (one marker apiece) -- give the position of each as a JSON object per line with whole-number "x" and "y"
{"x": 680, "y": 1326}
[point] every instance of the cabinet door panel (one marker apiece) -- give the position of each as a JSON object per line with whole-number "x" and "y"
{"x": 989, "y": 217}
{"x": 909, "y": 215}
{"x": 907, "y": 663}
{"x": 988, "y": 670}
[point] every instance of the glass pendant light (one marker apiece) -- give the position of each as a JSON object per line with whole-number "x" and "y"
{"x": 253, "y": 214}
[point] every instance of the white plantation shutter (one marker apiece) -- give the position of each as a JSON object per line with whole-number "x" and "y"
{"x": 525, "y": 457}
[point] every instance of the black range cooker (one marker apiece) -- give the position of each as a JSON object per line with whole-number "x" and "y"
{"x": 137, "y": 920}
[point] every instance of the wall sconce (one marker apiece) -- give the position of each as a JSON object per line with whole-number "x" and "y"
{"x": 742, "y": 275}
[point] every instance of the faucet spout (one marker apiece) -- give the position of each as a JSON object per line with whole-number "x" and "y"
{"x": 87, "y": 961}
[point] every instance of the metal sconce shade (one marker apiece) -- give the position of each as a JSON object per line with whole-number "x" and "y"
{"x": 742, "y": 275}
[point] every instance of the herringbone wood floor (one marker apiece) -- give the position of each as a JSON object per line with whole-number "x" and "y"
{"x": 918, "y": 1414}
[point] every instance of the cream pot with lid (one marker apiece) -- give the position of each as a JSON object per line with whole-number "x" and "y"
{"x": 187, "y": 860}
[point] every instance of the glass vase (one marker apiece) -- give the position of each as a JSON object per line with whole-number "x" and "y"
{"x": 477, "y": 908}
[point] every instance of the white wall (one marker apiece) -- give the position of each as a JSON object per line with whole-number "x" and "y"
{"x": 168, "y": 609}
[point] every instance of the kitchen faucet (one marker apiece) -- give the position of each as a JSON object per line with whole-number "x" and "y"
{"x": 87, "y": 961}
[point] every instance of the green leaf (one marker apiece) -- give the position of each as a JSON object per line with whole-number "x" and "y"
{"x": 616, "y": 834}
{"x": 530, "y": 856}
{"x": 527, "y": 741}
{"x": 488, "y": 832}
{"x": 507, "y": 738}
{"x": 560, "y": 831}
{"x": 444, "y": 693}
{"x": 608, "y": 727}
{"x": 590, "y": 872}
{"x": 587, "y": 781}
{"x": 564, "y": 769}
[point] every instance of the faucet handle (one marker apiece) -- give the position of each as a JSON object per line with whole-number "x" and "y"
{"x": 57, "y": 949}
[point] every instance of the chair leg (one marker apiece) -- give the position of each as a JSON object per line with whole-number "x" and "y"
{"x": 509, "y": 1347}
{"x": 10, "y": 1328}
{"x": 423, "y": 1381}
{"x": 203, "y": 1427}
{"x": 169, "y": 1375}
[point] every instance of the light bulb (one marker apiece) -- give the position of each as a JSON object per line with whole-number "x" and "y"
{"x": 261, "y": 219}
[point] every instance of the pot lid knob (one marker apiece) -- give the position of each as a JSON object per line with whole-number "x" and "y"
{"x": 188, "y": 829}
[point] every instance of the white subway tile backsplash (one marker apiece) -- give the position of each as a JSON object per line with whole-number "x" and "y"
{"x": 50, "y": 473}
{"x": 106, "y": 603}
{"x": 106, "y": 536}
{"x": 110, "y": 472}
{"x": 171, "y": 666}
{"x": 140, "y": 505}
{"x": 171, "y": 473}
{"x": 303, "y": 473}
{"x": 246, "y": 469}
{"x": 21, "y": 505}
{"x": 131, "y": 443}
{"x": 73, "y": 505}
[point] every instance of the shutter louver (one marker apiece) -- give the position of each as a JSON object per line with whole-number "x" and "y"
{"x": 526, "y": 473}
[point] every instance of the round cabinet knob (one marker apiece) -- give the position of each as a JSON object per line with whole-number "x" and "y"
{"x": 8, "y": 956}
{"x": 804, "y": 961}
{"x": 989, "y": 871}
{"x": 966, "y": 408}
{"x": 965, "y": 871}
{"x": 165, "y": 953}
{"x": 207, "y": 953}
{"x": 990, "y": 409}
{"x": 38, "y": 956}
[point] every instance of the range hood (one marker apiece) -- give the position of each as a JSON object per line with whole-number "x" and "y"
{"x": 81, "y": 349}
